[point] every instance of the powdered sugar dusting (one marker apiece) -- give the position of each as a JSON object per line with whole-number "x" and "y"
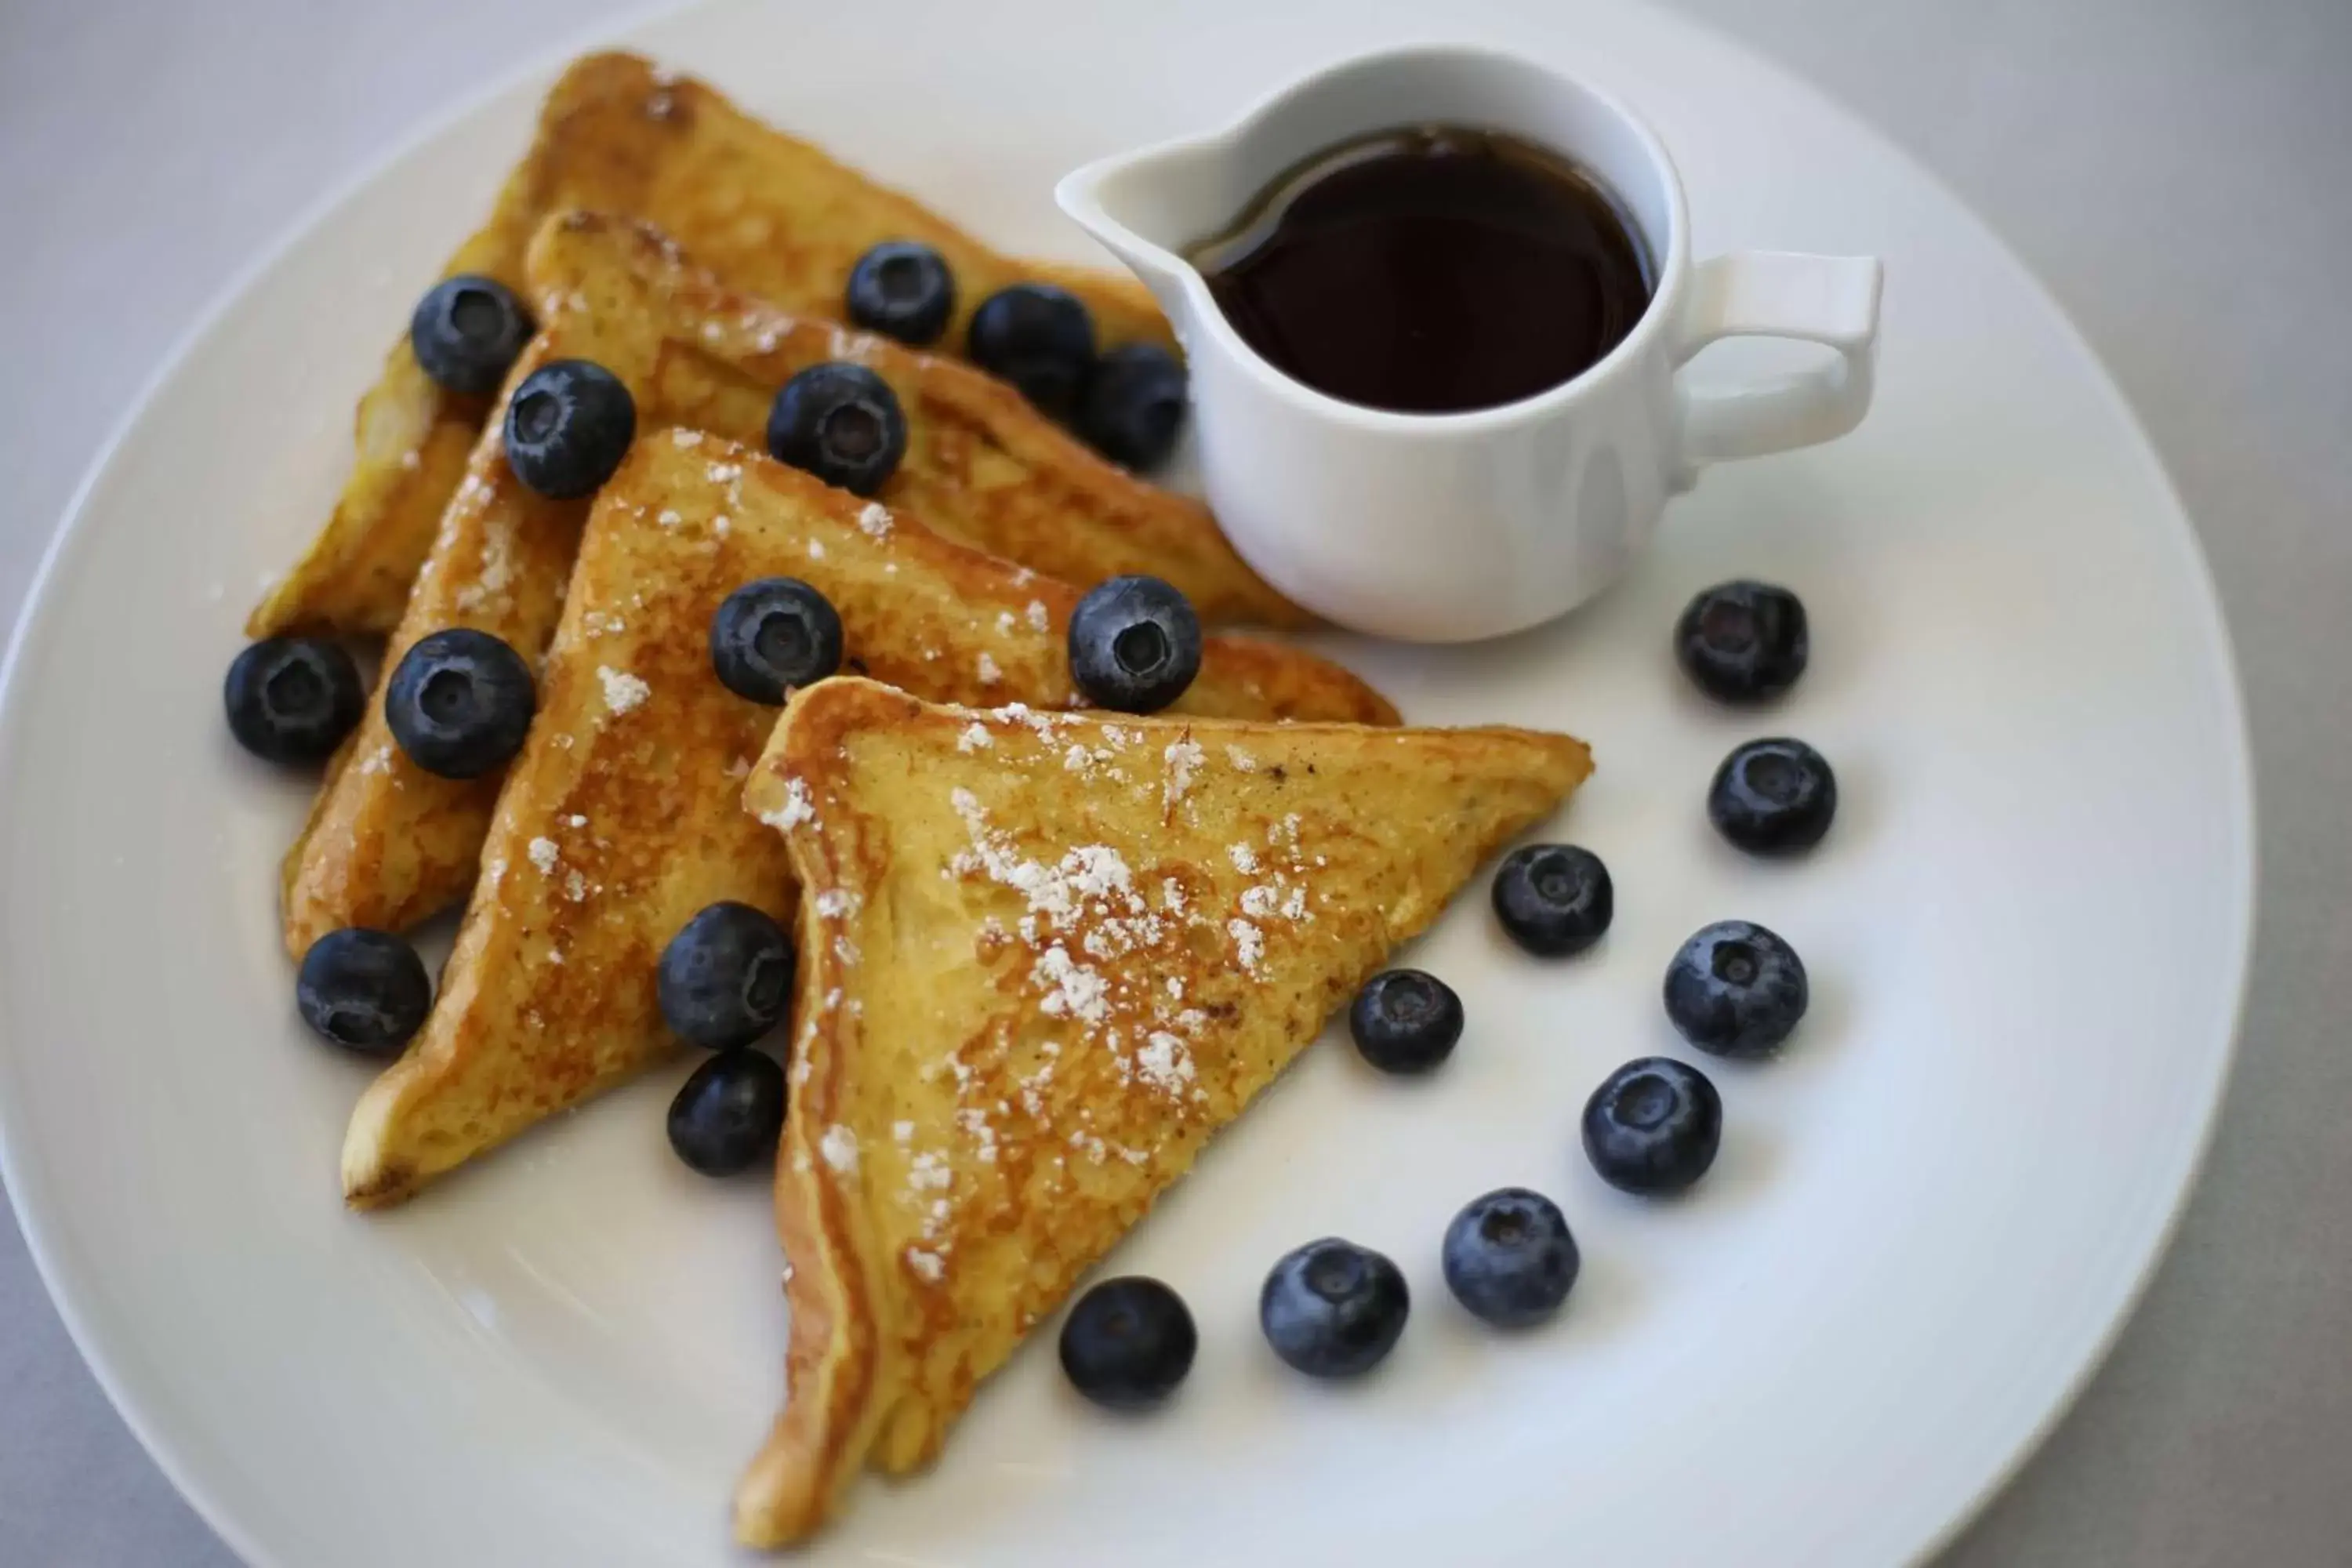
{"x": 1164, "y": 1063}
{"x": 1128, "y": 976}
{"x": 975, "y": 1125}
{"x": 496, "y": 568}
{"x": 622, "y": 690}
{"x": 875, "y": 519}
{"x": 851, "y": 346}
{"x": 928, "y": 1172}
{"x": 1073, "y": 990}
{"x": 542, "y": 853}
{"x": 797, "y": 808}
{"x": 1087, "y": 899}
{"x": 1021, "y": 714}
{"x": 1183, "y": 757}
{"x": 839, "y": 1147}
{"x": 1089, "y": 872}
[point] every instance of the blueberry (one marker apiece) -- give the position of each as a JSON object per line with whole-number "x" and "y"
{"x": 1653, "y": 1126}
{"x": 293, "y": 699}
{"x": 729, "y": 1113}
{"x": 1509, "y": 1258}
{"x": 1134, "y": 405}
{"x": 1736, "y": 989}
{"x": 772, "y": 635}
{"x": 1039, "y": 338}
{"x": 1406, "y": 1021}
{"x": 726, "y": 977}
{"x": 1554, "y": 898}
{"x": 1127, "y": 1343}
{"x": 459, "y": 703}
{"x": 365, "y": 990}
{"x": 1773, "y": 797}
{"x": 1743, "y": 642}
{"x": 902, "y": 289}
{"x": 842, "y": 423}
{"x": 568, "y": 426}
{"x": 467, "y": 332}
{"x": 1333, "y": 1309}
{"x": 1135, "y": 645}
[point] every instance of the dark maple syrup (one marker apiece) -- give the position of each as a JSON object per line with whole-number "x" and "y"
{"x": 1432, "y": 271}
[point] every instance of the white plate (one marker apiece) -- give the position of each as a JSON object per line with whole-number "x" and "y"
{"x": 2028, "y": 934}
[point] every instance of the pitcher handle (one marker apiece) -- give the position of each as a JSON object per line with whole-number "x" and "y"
{"x": 1829, "y": 300}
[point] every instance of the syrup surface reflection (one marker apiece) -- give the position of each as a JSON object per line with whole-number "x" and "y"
{"x": 1432, "y": 271}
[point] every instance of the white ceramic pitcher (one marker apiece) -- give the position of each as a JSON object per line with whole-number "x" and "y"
{"x": 1450, "y": 527}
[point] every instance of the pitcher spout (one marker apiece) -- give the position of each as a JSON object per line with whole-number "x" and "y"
{"x": 1146, "y": 207}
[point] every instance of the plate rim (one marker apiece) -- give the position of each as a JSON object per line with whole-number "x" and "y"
{"x": 61, "y": 1280}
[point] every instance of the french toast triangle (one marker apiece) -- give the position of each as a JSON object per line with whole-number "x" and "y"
{"x": 623, "y": 814}
{"x": 388, "y": 845}
{"x": 982, "y": 464}
{"x": 770, "y": 214}
{"x": 1043, "y": 957}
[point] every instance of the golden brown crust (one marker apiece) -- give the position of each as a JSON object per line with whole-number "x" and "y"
{"x": 774, "y": 214}
{"x": 641, "y": 805}
{"x": 814, "y": 1449}
{"x": 1043, "y": 959}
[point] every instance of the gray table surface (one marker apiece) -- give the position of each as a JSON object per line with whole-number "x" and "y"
{"x": 2179, "y": 173}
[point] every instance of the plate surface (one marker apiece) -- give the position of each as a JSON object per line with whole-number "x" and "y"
{"x": 2028, "y": 935}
